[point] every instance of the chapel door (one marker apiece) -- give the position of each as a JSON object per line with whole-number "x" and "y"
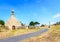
{"x": 13, "y": 27}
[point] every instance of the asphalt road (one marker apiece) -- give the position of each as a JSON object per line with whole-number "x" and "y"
{"x": 22, "y": 37}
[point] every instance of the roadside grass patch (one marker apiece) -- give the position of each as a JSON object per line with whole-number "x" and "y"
{"x": 53, "y": 35}
{"x": 10, "y": 33}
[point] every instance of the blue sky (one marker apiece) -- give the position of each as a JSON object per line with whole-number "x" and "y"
{"x": 42, "y": 11}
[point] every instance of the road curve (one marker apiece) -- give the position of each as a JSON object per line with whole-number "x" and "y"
{"x": 22, "y": 37}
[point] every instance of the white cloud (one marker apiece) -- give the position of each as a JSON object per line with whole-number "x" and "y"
{"x": 56, "y": 16}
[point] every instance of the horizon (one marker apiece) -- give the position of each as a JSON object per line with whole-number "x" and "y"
{"x": 41, "y": 11}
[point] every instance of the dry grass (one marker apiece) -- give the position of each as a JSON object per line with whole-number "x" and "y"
{"x": 10, "y": 33}
{"x": 53, "y": 35}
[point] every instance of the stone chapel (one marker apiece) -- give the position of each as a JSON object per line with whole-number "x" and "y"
{"x": 12, "y": 22}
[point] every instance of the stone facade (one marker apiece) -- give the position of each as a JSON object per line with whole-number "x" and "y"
{"x": 13, "y": 23}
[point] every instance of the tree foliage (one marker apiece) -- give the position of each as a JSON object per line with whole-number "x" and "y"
{"x": 33, "y": 23}
{"x": 36, "y": 23}
{"x": 2, "y": 22}
{"x": 57, "y": 23}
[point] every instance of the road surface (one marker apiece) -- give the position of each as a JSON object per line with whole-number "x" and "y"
{"x": 22, "y": 37}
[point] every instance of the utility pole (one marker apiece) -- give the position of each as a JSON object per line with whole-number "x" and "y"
{"x": 49, "y": 24}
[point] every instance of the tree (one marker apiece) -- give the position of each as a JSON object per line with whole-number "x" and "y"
{"x": 2, "y": 22}
{"x": 57, "y": 23}
{"x": 33, "y": 23}
{"x": 36, "y": 23}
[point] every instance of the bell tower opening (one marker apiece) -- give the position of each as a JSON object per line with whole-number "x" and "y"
{"x": 12, "y": 12}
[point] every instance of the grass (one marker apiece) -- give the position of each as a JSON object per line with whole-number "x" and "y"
{"x": 9, "y": 33}
{"x": 53, "y": 35}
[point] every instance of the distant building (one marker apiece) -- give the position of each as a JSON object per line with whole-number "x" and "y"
{"x": 13, "y": 23}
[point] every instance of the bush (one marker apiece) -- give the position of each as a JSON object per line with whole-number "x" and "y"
{"x": 42, "y": 25}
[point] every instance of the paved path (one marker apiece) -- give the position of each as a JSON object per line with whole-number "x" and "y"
{"x": 22, "y": 37}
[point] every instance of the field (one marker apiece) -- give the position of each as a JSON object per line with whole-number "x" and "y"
{"x": 53, "y": 35}
{"x": 9, "y": 33}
